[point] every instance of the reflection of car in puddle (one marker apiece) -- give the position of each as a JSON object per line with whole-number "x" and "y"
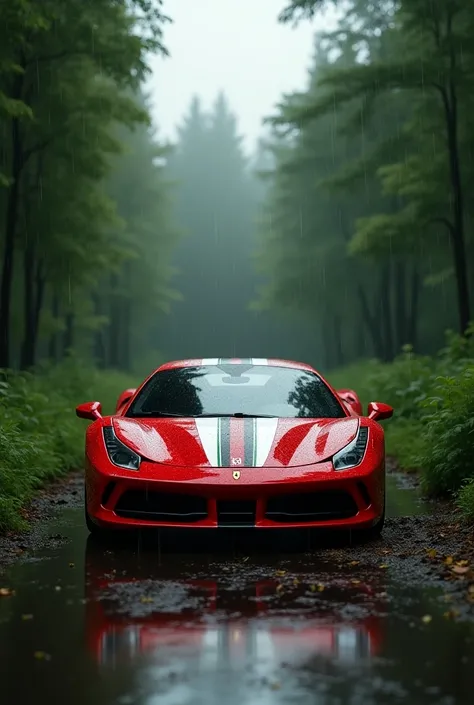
{"x": 129, "y": 618}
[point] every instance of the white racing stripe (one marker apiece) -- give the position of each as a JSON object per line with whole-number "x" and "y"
{"x": 266, "y": 430}
{"x": 259, "y": 360}
{"x": 210, "y": 360}
{"x": 208, "y": 430}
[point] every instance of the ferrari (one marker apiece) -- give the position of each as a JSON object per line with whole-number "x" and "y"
{"x": 235, "y": 443}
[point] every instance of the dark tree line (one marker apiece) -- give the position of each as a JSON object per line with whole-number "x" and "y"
{"x": 368, "y": 224}
{"x": 83, "y": 196}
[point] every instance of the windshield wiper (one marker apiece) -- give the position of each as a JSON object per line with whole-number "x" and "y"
{"x": 161, "y": 414}
{"x": 237, "y": 415}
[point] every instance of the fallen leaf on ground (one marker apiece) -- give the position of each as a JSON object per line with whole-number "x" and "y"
{"x": 296, "y": 581}
{"x": 383, "y": 565}
{"x": 6, "y": 592}
{"x": 71, "y": 565}
{"x": 449, "y": 560}
{"x": 460, "y": 570}
{"x": 431, "y": 552}
{"x": 146, "y": 600}
{"x": 450, "y": 614}
{"x": 427, "y": 618}
{"x": 462, "y": 563}
{"x": 281, "y": 572}
{"x": 355, "y": 582}
{"x": 26, "y": 617}
{"x": 471, "y": 589}
{"x": 354, "y": 563}
{"x": 42, "y": 656}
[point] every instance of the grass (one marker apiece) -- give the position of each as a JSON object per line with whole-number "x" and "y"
{"x": 40, "y": 436}
{"x": 432, "y": 430}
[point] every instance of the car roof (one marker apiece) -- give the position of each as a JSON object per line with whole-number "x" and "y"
{"x": 205, "y": 361}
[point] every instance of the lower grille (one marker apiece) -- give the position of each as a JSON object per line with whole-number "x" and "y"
{"x": 236, "y": 512}
{"x": 311, "y": 506}
{"x": 365, "y": 493}
{"x": 161, "y": 506}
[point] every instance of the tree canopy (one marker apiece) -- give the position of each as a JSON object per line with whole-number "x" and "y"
{"x": 367, "y": 225}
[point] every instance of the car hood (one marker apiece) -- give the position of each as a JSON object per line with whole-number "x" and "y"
{"x": 231, "y": 442}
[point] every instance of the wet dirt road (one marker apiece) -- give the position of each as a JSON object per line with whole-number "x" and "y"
{"x": 132, "y": 623}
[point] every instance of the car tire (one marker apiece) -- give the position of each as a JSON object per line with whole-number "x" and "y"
{"x": 91, "y": 526}
{"x": 373, "y": 533}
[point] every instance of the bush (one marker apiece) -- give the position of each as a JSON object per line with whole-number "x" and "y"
{"x": 433, "y": 425}
{"x": 40, "y": 436}
{"x": 466, "y": 499}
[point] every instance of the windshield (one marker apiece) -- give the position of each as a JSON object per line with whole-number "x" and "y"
{"x": 226, "y": 390}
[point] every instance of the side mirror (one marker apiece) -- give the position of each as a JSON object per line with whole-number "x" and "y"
{"x": 91, "y": 410}
{"x": 377, "y": 411}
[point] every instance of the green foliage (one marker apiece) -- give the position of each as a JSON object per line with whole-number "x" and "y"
{"x": 466, "y": 499}
{"x": 40, "y": 436}
{"x": 433, "y": 426}
{"x": 82, "y": 199}
{"x": 368, "y": 226}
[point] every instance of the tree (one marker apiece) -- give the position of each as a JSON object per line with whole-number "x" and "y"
{"x": 432, "y": 38}
{"x": 79, "y": 47}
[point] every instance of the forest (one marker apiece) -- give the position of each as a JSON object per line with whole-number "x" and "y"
{"x": 345, "y": 240}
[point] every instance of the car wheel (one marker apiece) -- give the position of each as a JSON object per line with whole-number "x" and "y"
{"x": 374, "y": 531}
{"x": 92, "y": 527}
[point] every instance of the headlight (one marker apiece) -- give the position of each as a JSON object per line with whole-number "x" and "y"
{"x": 352, "y": 454}
{"x": 118, "y": 453}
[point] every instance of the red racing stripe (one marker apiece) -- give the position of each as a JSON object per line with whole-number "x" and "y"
{"x": 237, "y": 442}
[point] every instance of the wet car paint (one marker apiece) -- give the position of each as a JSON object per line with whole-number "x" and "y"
{"x": 130, "y": 623}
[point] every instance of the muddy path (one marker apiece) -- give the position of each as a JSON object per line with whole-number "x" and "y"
{"x": 140, "y": 622}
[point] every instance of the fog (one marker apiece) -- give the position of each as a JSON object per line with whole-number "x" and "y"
{"x": 233, "y": 45}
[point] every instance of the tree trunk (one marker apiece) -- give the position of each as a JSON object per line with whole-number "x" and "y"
{"x": 53, "y": 340}
{"x": 126, "y": 363}
{"x": 12, "y": 207}
{"x": 414, "y": 300}
{"x": 68, "y": 338}
{"x": 114, "y": 328}
{"x": 338, "y": 358}
{"x": 372, "y": 324}
{"x": 450, "y": 103}
{"x": 100, "y": 352}
{"x": 401, "y": 317}
{"x": 29, "y": 336}
{"x": 386, "y": 313}
{"x": 33, "y": 284}
{"x": 326, "y": 343}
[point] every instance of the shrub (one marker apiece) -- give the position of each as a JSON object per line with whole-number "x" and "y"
{"x": 465, "y": 499}
{"x": 40, "y": 435}
{"x": 433, "y": 425}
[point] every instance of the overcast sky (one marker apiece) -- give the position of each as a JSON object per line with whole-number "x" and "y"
{"x": 234, "y": 45}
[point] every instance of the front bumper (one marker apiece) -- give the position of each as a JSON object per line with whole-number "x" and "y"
{"x": 208, "y": 498}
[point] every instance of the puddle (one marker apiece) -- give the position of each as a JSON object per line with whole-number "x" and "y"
{"x": 133, "y": 626}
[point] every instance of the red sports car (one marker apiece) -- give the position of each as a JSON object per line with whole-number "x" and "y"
{"x": 221, "y": 442}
